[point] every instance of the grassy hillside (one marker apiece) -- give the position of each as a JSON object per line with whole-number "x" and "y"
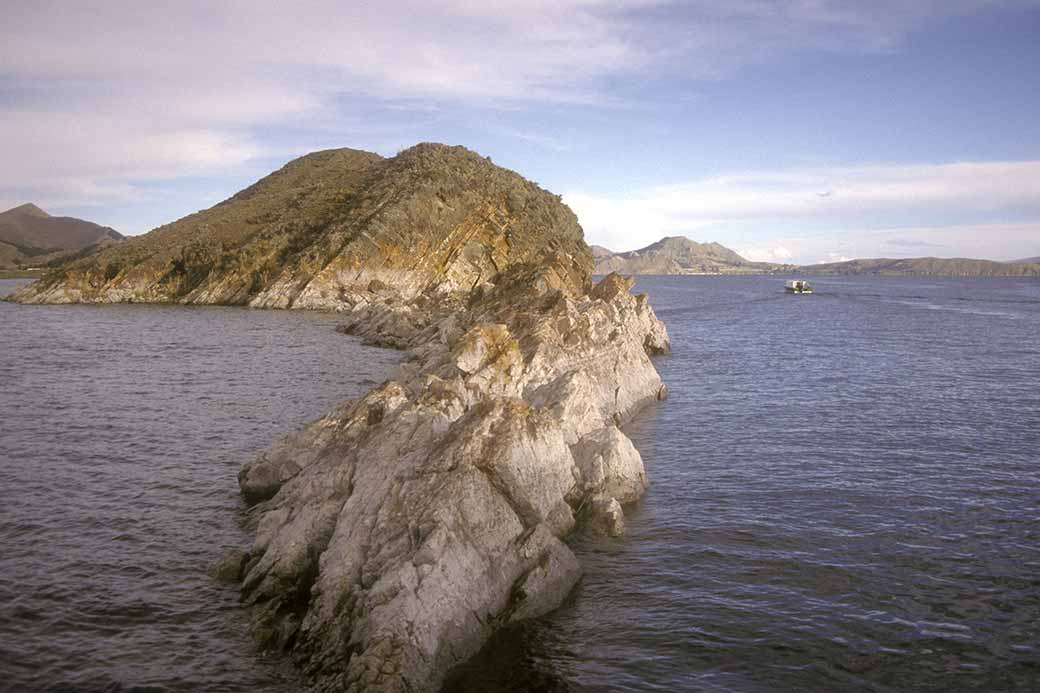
{"x": 29, "y": 237}
{"x": 324, "y": 226}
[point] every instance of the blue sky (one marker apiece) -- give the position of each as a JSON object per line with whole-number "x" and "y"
{"x": 792, "y": 131}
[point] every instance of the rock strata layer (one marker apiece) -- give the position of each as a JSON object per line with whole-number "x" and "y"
{"x": 394, "y": 535}
{"x": 325, "y": 229}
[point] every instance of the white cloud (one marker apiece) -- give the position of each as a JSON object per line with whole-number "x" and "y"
{"x": 994, "y": 241}
{"x": 69, "y": 158}
{"x": 775, "y": 253}
{"x": 115, "y": 92}
{"x": 842, "y": 198}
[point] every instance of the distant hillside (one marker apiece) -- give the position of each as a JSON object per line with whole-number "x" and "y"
{"x": 31, "y": 237}
{"x": 679, "y": 255}
{"x": 926, "y": 266}
{"x": 1026, "y": 261}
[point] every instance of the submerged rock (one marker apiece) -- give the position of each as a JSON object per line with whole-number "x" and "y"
{"x": 230, "y": 567}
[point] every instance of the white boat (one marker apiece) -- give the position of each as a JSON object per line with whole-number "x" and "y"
{"x": 798, "y": 286}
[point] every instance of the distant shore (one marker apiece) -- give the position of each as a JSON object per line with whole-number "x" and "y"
{"x": 20, "y": 274}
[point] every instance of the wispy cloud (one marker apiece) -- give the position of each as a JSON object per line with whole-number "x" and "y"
{"x": 840, "y": 199}
{"x": 99, "y": 96}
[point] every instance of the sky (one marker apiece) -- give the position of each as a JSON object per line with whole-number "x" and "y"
{"x": 800, "y": 131}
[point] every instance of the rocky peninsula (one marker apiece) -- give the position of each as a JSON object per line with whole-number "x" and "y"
{"x": 397, "y": 533}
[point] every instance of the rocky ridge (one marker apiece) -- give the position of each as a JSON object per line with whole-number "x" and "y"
{"x": 395, "y": 534}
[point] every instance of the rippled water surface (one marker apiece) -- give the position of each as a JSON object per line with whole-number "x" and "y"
{"x": 846, "y": 494}
{"x": 122, "y": 429}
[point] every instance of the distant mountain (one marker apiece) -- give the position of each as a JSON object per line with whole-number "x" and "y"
{"x": 31, "y": 237}
{"x": 1026, "y": 261}
{"x": 678, "y": 255}
{"x": 926, "y": 266}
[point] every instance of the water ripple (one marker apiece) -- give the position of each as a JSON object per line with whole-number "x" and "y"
{"x": 845, "y": 495}
{"x": 123, "y": 428}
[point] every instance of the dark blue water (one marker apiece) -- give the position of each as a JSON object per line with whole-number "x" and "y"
{"x": 122, "y": 429}
{"x": 845, "y": 496}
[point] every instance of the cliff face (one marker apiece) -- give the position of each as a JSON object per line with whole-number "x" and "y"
{"x": 315, "y": 234}
{"x": 394, "y": 535}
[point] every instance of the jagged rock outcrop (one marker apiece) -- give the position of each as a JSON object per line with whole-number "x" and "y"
{"x": 395, "y": 534}
{"x": 400, "y": 531}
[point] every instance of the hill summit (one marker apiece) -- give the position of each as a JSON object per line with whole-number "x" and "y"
{"x": 30, "y": 236}
{"x": 677, "y": 255}
{"x": 326, "y": 227}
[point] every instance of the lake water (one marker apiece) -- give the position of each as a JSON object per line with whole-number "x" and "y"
{"x": 845, "y": 494}
{"x": 122, "y": 429}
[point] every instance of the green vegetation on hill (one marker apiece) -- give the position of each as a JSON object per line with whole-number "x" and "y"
{"x": 325, "y": 225}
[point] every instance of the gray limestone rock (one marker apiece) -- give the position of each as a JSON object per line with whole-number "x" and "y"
{"x": 606, "y": 516}
{"x": 398, "y": 532}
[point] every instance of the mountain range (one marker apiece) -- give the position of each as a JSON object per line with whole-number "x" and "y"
{"x": 30, "y": 237}
{"x": 680, "y": 255}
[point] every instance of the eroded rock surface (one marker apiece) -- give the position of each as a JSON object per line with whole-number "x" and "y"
{"x": 402, "y": 529}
